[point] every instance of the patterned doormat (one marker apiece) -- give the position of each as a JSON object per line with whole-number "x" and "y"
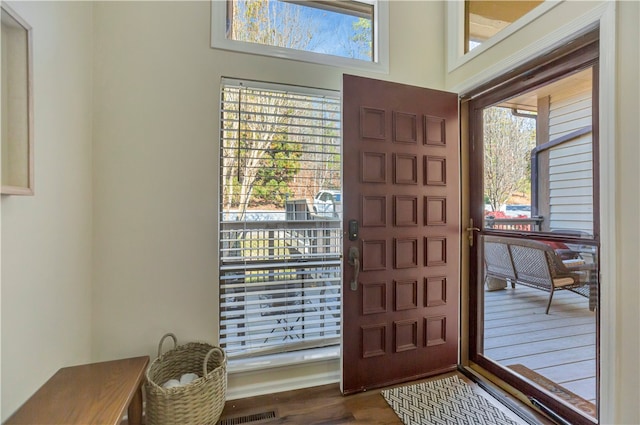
{"x": 555, "y": 389}
{"x": 443, "y": 401}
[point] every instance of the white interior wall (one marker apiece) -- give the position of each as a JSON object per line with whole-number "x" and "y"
{"x": 46, "y": 238}
{"x": 156, "y": 149}
{"x": 155, "y": 105}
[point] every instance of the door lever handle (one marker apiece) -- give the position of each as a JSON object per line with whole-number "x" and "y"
{"x": 470, "y": 231}
{"x": 354, "y": 260}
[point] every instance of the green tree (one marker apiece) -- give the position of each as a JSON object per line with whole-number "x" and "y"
{"x": 259, "y": 21}
{"x": 363, "y": 37}
{"x": 280, "y": 165}
{"x": 253, "y": 118}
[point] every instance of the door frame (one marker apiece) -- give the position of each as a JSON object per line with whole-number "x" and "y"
{"x": 604, "y": 17}
{"x": 582, "y": 53}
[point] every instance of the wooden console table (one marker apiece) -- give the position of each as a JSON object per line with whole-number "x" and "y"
{"x": 96, "y": 393}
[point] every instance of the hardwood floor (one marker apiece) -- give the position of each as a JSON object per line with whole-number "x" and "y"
{"x": 326, "y": 405}
{"x": 560, "y": 346}
{"x": 317, "y": 405}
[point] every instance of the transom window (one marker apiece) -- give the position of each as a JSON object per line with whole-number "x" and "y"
{"x": 474, "y": 26}
{"x": 350, "y": 33}
{"x": 483, "y": 19}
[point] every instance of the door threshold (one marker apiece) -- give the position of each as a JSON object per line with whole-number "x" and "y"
{"x": 518, "y": 404}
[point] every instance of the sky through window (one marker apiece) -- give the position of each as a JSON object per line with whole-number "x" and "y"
{"x": 305, "y": 27}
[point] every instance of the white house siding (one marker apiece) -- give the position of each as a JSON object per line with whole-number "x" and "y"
{"x": 571, "y": 163}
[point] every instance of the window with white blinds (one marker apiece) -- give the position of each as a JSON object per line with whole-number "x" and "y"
{"x": 280, "y": 218}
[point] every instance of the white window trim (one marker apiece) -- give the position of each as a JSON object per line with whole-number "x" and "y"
{"x": 327, "y": 261}
{"x": 580, "y": 25}
{"x": 380, "y": 36}
{"x": 283, "y": 359}
{"x": 282, "y": 372}
{"x": 455, "y": 32}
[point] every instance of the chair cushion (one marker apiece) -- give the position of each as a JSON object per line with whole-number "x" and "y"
{"x": 563, "y": 281}
{"x": 563, "y": 251}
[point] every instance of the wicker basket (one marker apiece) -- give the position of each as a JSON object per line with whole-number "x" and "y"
{"x": 199, "y": 402}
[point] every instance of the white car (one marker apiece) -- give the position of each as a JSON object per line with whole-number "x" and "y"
{"x": 518, "y": 210}
{"x": 327, "y": 203}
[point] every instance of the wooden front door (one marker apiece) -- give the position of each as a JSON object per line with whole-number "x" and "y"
{"x": 401, "y": 214}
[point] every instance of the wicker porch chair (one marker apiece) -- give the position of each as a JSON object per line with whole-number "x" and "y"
{"x": 497, "y": 261}
{"x": 535, "y": 264}
{"x": 538, "y": 265}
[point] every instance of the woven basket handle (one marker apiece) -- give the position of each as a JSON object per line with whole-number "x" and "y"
{"x": 206, "y": 359}
{"x": 175, "y": 342}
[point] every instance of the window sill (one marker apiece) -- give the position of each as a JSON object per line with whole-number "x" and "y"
{"x": 283, "y": 359}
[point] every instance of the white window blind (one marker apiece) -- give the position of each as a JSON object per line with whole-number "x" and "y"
{"x": 280, "y": 267}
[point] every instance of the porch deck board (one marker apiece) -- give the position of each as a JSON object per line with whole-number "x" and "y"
{"x": 539, "y": 361}
{"x": 559, "y": 346}
{"x": 524, "y": 314}
{"x": 585, "y": 388}
{"x": 570, "y": 371}
{"x": 513, "y": 328}
{"x": 539, "y": 345}
{"x": 539, "y": 333}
